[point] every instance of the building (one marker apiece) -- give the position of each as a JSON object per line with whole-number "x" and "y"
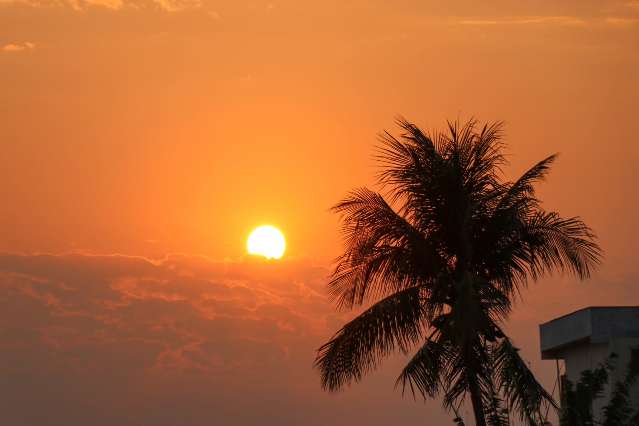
{"x": 586, "y": 338}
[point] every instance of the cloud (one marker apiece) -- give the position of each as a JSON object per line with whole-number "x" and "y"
{"x": 187, "y": 340}
{"x": 525, "y": 20}
{"x": 214, "y": 15}
{"x": 180, "y": 304}
{"x": 622, "y": 22}
{"x": 184, "y": 340}
{"x": 557, "y": 21}
{"x": 78, "y": 5}
{"x": 634, "y": 5}
{"x": 177, "y": 5}
{"x": 18, "y": 47}
{"x": 110, "y": 4}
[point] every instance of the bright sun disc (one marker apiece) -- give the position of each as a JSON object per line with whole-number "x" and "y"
{"x": 267, "y": 241}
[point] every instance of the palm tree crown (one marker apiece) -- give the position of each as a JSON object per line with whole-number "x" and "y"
{"x": 440, "y": 258}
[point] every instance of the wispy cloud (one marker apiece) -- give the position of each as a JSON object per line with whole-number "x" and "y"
{"x": 167, "y": 5}
{"x": 214, "y": 15}
{"x": 634, "y": 4}
{"x": 177, "y": 5}
{"x": 622, "y": 22}
{"x": 18, "y": 47}
{"x": 110, "y": 4}
{"x": 525, "y": 20}
{"x": 557, "y": 21}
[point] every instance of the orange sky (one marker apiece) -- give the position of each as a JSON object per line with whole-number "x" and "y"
{"x": 151, "y": 127}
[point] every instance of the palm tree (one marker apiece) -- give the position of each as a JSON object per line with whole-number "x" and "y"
{"x": 440, "y": 258}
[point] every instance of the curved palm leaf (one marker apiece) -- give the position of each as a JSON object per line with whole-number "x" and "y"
{"x": 522, "y": 192}
{"x": 524, "y": 393}
{"x": 424, "y": 371}
{"x": 384, "y": 252}
{"x": 533, "y": 246}
{"x": 395, "y": 322}
{"x": 496, "y": 413}
{"x": 557, "y": 243}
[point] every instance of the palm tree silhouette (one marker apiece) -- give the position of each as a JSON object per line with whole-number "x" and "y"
{"x": 441, "y": 259}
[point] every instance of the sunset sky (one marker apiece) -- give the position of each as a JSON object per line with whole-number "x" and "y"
{"x": 142, "y": 140}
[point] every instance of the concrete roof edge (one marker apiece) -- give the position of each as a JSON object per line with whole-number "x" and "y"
{"x": 589, "y": 308}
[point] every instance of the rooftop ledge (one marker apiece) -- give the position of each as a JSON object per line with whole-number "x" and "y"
{"x": 596, "y": 324}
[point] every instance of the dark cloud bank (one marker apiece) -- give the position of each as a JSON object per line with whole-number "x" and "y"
{"x": 117, "y": 340}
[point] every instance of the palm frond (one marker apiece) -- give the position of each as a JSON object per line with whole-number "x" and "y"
{"x": 384, "y": 252}
{"x": 468, "y": 370}
{"x": 394, "y": 323}
{"x": 495, "y": 303}
{"x": 496, "y": 413}
{"x": 557, "y": 243}
{"x": 482, "y": 163}
{"x": 455, "y": 381}
{"x": 517, "y": 383}
{"x": 522, "y": 191}
{"x": 424, "y": 371}
{"x": 415, "y": 171}
{"x": 514, "y": 250}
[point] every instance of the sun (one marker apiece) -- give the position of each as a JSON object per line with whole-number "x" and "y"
{"x": 267, "y": 241}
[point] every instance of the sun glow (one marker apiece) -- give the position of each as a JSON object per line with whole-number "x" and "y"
{"x": 267, "y": 241}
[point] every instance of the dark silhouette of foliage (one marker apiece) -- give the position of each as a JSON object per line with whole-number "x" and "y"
{"x": 496, "y": 414}
{"x": 619, "y": 410}
{"x": 576, "y": 407}
{"x": 577, "y": 399}
{"x": 440, "y": 258}
{"x": 459, "y": 421}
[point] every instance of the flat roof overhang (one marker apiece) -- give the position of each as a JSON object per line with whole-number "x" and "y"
{"x": 596, "y": 324}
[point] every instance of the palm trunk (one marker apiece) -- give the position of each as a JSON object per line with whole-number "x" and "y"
{"x": 478, "y": 405}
